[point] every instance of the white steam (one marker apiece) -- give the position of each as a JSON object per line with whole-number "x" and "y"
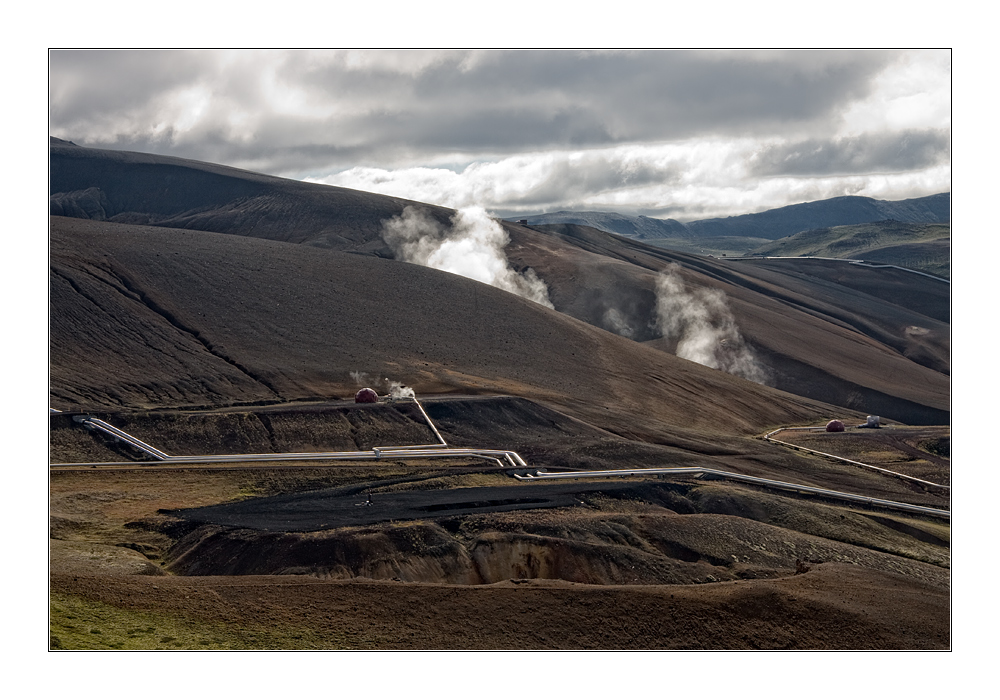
{"x": 704, "y": 328}
{"x": 615, "y": 321}
{"x": 361, "y": 378}
{"x": 472, "y": 247}
{"x": 395, "y": 390}
{"x": 398, "y": 391}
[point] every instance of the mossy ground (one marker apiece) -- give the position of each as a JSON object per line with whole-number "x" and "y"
{"x": 78, "y": 623}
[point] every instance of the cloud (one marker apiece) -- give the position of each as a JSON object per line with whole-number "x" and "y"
{"x": 538, "y": 180}
{"x": 868, "y": 153}
{"x": 393, "y": 108}
{"x": 686, "y": 134}
{"x": 700, "y": 178}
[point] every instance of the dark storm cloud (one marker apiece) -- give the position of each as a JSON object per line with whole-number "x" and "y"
{"x": 506, "y": 101}
{"x": 88, "y": 84}
{"x": 388, "y": 109}
{"x": 867, "y": 153}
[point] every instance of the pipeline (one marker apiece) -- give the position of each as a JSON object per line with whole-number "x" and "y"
{"x": 500, "y": 457}
{"x": 849, "y": 461}
{"x": 849, "y": 261}
{"x": 428, "y": 419}
{"x": 781, "y": 485}
{"x": 503, "y": 458}
{"x": 862, "y": 263}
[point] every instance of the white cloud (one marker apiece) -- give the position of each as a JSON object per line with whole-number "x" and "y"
{"x": 658, "y": 132}
{"x": 913, "y": 92}
{"x": 691, "y": 180}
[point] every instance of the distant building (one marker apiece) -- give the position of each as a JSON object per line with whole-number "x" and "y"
{"x": 366, "y": 395}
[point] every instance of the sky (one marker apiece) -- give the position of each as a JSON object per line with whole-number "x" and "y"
{"x": 669, "y": 134}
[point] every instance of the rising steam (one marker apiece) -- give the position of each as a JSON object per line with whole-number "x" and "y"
{"x": 704, "y": 328}
{"x": 616, "y": 322}
{"x": 394, "y": 389}
{"x": 472, "y": 247}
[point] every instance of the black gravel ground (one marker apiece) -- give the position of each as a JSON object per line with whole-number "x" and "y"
{"x": 353, "y": 506}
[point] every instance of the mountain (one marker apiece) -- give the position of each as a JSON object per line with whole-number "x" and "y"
{"x": 149, "y": 317}
{"x": 138, "y": 188}
{"x": 924, "y": 247}
{"x": 771, "y": 224}
{"x": 641, "y": 227}
{"x": 839, "y": 211}
{"x": 845, "y": 339}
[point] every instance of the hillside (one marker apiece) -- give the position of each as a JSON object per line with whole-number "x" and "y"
{"x": 149, "y": 317}
{"x": 138, "y": 188}
{"x": 771, "y": 224}
{"x": 641, "y": 227}
{"x": 816, "y": 338}
{"x": 839, "y": 211}
{"x": 820, "y": 329}
{"x": 924, "y": 247}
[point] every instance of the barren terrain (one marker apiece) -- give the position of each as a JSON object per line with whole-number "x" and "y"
{"x": 207, "y": 311}
{"x": 251, "y": 542}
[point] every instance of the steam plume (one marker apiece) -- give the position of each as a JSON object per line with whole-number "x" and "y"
{"x": 704, "y": 328}
{"x": 472, "y": 247}
{"x": 615, "y": 321}
{"x": 396, "y": 390}
{"x": 361, "y": 378}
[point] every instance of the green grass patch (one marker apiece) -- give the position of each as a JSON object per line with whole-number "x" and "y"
{"x": 79, "y": 623}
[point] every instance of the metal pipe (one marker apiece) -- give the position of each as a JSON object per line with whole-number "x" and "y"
{"x": 428, "y": 419}
{"x": 121, "y": 434}
{"x": 400, "y": 452}
{"x": 408, "y": 447}
{"x": 849, "y": 261}
{"x": 783, "y": 485}
{"x": 849, "y": 461}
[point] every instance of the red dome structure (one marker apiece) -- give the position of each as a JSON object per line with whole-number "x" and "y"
{"x": 367, "y": 395}
{"x": 835, "y": 426}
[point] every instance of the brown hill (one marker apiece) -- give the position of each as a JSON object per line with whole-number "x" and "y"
{"x": 147, "y": 317}
{"x": 875, "y": 341}
{"x": 139, "y": 188}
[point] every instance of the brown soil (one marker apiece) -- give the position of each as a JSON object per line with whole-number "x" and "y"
{"x": 830, "y": 606}
{"x": 787, "y": 572}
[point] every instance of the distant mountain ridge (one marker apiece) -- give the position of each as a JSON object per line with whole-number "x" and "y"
{"x": 641, "y": 227}
{"x": 771, "y": 224}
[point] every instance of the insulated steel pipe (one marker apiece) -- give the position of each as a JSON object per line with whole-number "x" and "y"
{"x": 439, "y": 449}
{"x": 849, "y": 461}
{"x": 428, "y": 419}
{"x": 121, "y": 435}
{"x": 782, "y": 485}
{"x": 511, "y": 458}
